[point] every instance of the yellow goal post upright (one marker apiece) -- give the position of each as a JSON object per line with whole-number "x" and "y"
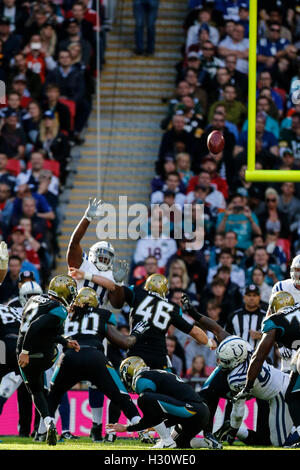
{"x": 251, "y": 173}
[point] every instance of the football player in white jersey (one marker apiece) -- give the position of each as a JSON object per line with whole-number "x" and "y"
{"x": 233, "y": 354}
{"x": 291, "y": 285}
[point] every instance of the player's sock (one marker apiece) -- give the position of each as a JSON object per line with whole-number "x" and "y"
{"x": 48, "y": 420}
{"x": 135, "y": 420}
{"x": 97, "y": 415}
{"x": 42, "y": 428}
{"x": 64, "y": 411}
{"x": 163, "y": 431}
{"x": 96, "y": 399}
{"x": 242, "y": 433}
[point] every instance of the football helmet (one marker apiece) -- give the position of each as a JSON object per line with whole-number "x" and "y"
{"x": 295, "y": 270}
{"x": 281, "y": 299}
{"x": 128, "y": 370}
{"x": 157, "y": 283}
{"x": 232, "y": 351}
{"x": 27, "y": 290}
{"x": 64, "y": 288}
{"x": 102, "y": 254}
{"x": 86, "y": 297}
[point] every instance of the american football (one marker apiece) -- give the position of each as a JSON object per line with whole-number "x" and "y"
{"x": 215, "y": 142}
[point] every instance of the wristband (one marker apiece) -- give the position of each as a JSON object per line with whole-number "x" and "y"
{"x": 88, "y": 276}
{"x": 209, "y": 343}
{"x": 24, "y": 352}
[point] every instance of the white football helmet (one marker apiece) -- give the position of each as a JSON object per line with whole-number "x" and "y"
{"x": 27, "y": 290}
{"x": 232, "y": 351}
{"x": 295, "y": 270}
{"x": 102, "y": 254}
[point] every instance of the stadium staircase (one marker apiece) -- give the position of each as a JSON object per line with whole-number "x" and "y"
{"x": 133, "y": 101}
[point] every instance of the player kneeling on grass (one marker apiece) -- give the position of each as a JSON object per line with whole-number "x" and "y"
{"x": 88, "y": 324}
{"x": 165, "y": 401}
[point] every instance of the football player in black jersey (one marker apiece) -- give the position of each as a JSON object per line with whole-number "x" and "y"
{"x": 40, "y": 332}
{"x": 281, "y": 325}
{"x": 149, "y": 303}
{"x": 89, "y": 325}
{"x": 163, "y": 396}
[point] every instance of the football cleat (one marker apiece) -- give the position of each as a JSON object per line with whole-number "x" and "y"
{"x": 110, "y": 438}
{"x": 96, "y": 433}
{"x": 40, "y": 437}
{"x": 51, "y": 437}
{"x": 146, "y": 438}
{"x": 212, "y": 442}
{"x": 165, "y": 444}
{"x": 68, "y": 435}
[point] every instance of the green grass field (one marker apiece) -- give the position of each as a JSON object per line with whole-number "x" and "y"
{"x": 18, "y": 443}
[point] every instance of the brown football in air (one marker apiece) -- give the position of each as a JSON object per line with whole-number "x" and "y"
{"x": 215, "y": 142}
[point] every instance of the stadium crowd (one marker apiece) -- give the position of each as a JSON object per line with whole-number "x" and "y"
{"x": 251, "y": 229}
{"x": 48, "y": 66}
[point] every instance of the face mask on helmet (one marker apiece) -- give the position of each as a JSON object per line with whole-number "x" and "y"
{"x": 102, "y": 257}
{"x": 295, "y": 275}
{"x": 129, "y": 369}
{"x": 231, "y": 352}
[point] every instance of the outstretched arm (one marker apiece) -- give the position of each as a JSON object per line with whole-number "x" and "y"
{"x": 74, "y": 252}
{"x": 3, "y": 261}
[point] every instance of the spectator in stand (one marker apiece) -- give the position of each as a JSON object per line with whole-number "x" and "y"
{"x": 72, "y": 29}
{"x": 49, "y": 38}
{"x": 288, "y": 204}
{"x": 172, "y": 184}
{"x": 210, "y": 194}
{"x": 272, "y": 218}
{"x": 72, "y": 87}
{"x": 265, "y": 82}
{"x": 54, "y": 142}
{"x": 236, "y": 44}
{"x": 10, "y": 285}
{"x": 183, "y": 89}
{"x": 261, "y": 259}
{"x": 265, "y": 290}
{"x": 167, "y": 166}
{"x": 12, "y": 137}
{"x": 33, "y": 80}
{"x": 236, "y": 111}
{"x": 176, "y": 139}
{"x": 237, "y": 275}
{"x": 183, "y": 167}
{"x": 5, "y": 176}
{"x": 32, "y": 246}
{"x": 32, "y": 176}
{"x": 178, "y": 268}
{"x": 236, "y": 78}
{"x": 11, "y": 42}
{"x": 203, "y": 16}
{"x": 60, "y": 110}
{"x": 197, "y": 92}
{"x": 210, "y": 165}
{"x": 263, "y": 104}
{"x": 18, "y": 249}
{"x": 37, "y": 61}
{"x": 272, "y": 48}
{"x": 239, "y": 218}
{"x": 230, "y": 242}
{"x": 31, "y": 125}
{"x": 16, "y": 14}
{"x": 6, "y": 208}
{"x": 145, "y": 14}
{"x": 142, "y": 272}
{"x": 197, "y": 369}
{"x": 291, "y": 138}
{"x": 175, "y": 360}
{"x": 209, "y": 62}
{"x": 13, "y": 105}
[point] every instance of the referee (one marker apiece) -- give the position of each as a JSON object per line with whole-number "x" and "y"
{"x": 246, "y": 321}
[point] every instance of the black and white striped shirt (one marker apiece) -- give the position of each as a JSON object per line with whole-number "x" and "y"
{"x": 241, "y": 321}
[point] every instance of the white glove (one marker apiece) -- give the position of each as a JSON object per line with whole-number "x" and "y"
{"x": 93, "y": 211}
{"x": 120, "y": 270}
{"x": 3, "y": 256}
{"x": 285, "y": 353}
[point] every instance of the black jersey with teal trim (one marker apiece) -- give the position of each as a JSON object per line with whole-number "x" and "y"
{"x": 166, "y": 383}
{"x": 159, "y": 313}
{"x": 41, "y": 325}
{"x": 91, "y": 329}
{"x": 286, "y": 322}
{"x": 10, "y": 320}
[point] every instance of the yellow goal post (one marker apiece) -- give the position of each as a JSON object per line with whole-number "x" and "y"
{"x": 251, "y": 173}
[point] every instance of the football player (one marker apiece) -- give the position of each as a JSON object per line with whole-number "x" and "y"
{"x": 281, "y": 325}
{"x": 40, "y": 332}
{"x": 291, "y": 285}
{"x": 233, "y": 355}
{"x": 149, "y": 303}
{"x": 163, "y": 396}
{"x": 83, "y": 268}
{"x": 89, "y": 325}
